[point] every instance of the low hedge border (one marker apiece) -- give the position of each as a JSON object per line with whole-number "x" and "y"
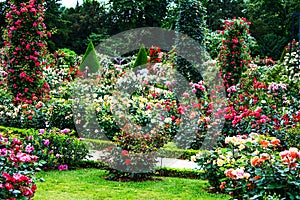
{"x": 14, "y": 132}
{"x": 179, "y": 173}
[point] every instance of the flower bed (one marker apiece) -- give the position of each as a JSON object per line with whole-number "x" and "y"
{"x": 252, "y": 167}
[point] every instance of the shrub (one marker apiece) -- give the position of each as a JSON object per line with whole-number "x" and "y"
{"x": 142, "y": 57}
{"x": 90, "y": 60}
{"x": 234, "y": 53}
{"x": 252, "y": 167}
{"x": 58, "y": 148}
{"x": 22, "y": 116}
{"x": 60, "y": 114}
{"x": 18, "y": 165}
{"x": 180, "y": 173}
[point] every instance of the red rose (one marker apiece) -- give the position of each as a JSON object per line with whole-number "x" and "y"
{"x": 8, "y": 186}
{"x": 127, "y": 162}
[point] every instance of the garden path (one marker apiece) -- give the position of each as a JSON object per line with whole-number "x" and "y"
{"x": 161, "y": 162}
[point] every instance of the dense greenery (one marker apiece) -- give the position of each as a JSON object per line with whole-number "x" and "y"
{"x": 96, "y": 20}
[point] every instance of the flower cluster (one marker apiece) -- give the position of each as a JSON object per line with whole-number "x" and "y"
{"x": 234, "y": 56}
{"x": 25, "y": 41}
{"x": 252, "y": 166}
{"x": 155, "y": 55}
{"x": 58, "y": 148}
{"x": 18, "y": 165}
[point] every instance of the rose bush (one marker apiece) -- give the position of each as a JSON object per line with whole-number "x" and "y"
{"x": 60, "y": 149}
{"x": 25, "y": 43}
{"x": 252, "y": 167}
{"x": 18, "y": 165}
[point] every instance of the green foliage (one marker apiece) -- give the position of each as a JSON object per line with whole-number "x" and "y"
{"x": 145, "y": 14}
{"x": 67, "y": 57}
{"x": 191, "y": 22}
{"x": 79, "y": 23}
{"x": 142, "y": 57}
{"x": 180, "y": 173}
{"x": 60, "y": 114}
{"x": 54, "y": 22}
{"x": 11, "y": 132}
{"x": 3, "y": 7}
{"x": 172, "y": 13}
{"x": 218, "y": 10}
{"x": 272, "y": 45}
{"x": 292, "y": 136}
{"x": 271, "y": 24}
{"x": 90, "y": 60}
{"x": 56, "y": 147}
{"x": 191, "y": 19}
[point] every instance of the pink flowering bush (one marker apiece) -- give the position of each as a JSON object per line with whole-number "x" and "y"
{"x": 18, "y": 165}
{"x": 25, "y": 43}
{"x": 58, "y": 148}
{"x": 252, "y": 167}
{"x": 234, "y": 53}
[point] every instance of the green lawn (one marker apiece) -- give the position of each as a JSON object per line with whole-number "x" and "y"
{"x": 89, "y": 184}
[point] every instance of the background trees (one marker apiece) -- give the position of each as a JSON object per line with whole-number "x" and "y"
{"x": 96, "y": 20}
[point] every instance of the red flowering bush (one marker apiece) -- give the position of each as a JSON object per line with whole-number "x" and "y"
{"x": 155, "y": 54}
{"x": 265, "y": 101}
{"x": 18, "y": 165}
{"x": 252, "y": 167}
{"x": 234, "y": 53}
{"x": 25, "y": 42}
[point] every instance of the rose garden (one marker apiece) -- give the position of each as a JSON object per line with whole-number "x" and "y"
{"x": 220, "y": 105}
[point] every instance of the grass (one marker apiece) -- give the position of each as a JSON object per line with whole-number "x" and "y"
{"x": 89, "y": 184}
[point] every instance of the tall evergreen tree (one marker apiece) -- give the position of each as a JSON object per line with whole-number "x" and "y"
{"x": 53, "y": 19}
{"x": 82, "y": 21}
{"x": 130, "y": 14}
{"x": 191, "y": 22}
{"x": 3, "y": 8}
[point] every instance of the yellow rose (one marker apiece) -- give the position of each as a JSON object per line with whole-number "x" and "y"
{"x": 220, "y": 162}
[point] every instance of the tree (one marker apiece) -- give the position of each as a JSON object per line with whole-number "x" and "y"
{"x": 82, "y": 21}
{"x": 53, "y": 19}
{"x": 130, "y": 14}
{"x": 3, "y": 8}
{"x": 271, "y": 24}
{"x": 218, "y": 10}
{"x": 191, "y": 22}
{"x": 141, "y": 58}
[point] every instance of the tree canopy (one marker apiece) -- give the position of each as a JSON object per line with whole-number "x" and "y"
{"x": 94, "y": 20}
